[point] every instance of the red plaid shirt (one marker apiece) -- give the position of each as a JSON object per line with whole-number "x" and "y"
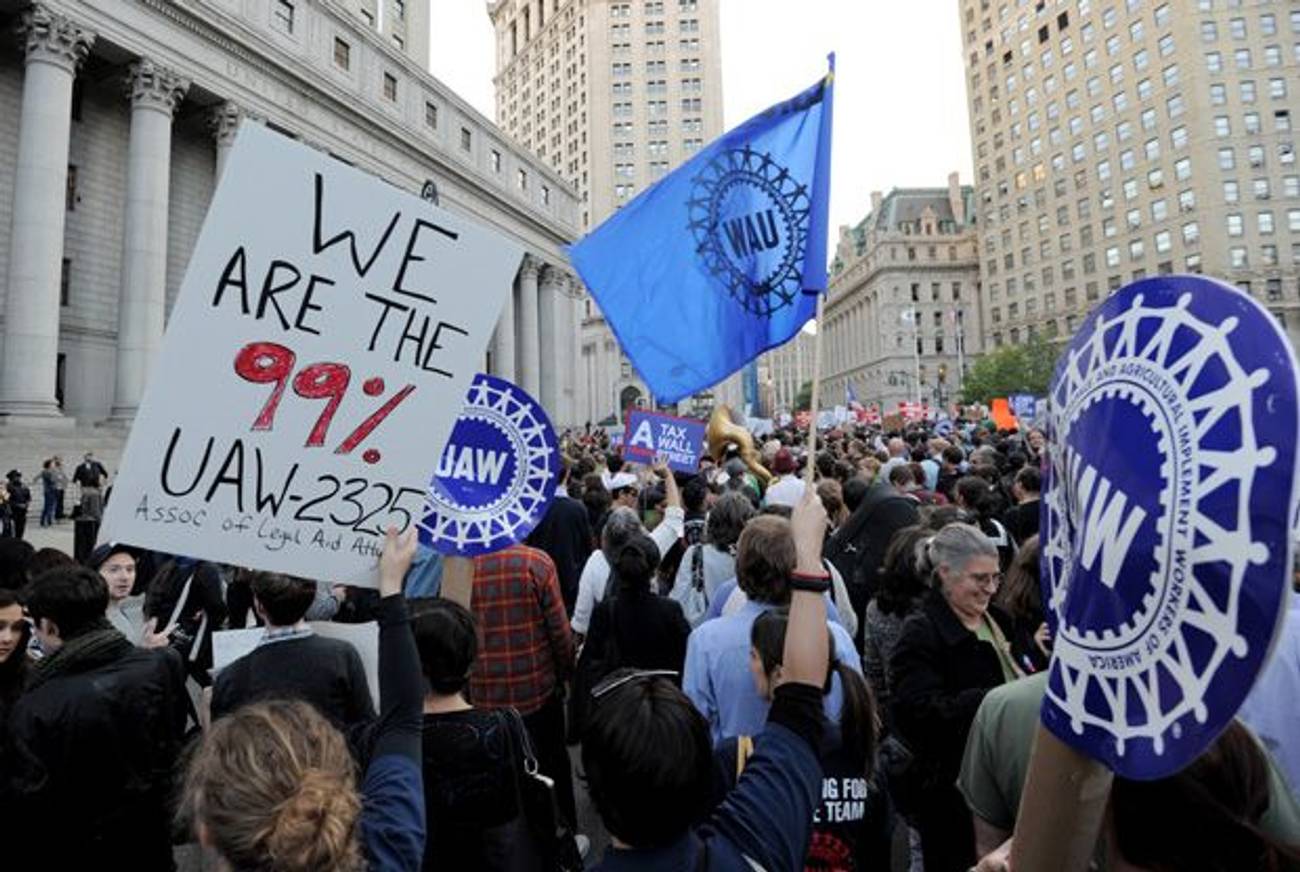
{"x": 527, "y": 650}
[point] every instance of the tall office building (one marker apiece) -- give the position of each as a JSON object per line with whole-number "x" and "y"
{"x": 613, "y": 94}
{"x": 1115, "y": 139}
{"x": 403, "y": 23}
{"x": 902, "y": 316}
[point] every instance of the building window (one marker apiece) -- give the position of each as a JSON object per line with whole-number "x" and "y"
{"x": 342, "y": 54}
{"x": 466, "y": 139}
{"x": 523, "y": 180}
{"x": 496, "y": 161}
{"x": 430, "y": 115}
{"x": 282, "y": 15}
{"x": 65, "y": 280}
{"x": 70, "y": 196}
{"x": 390, "y": 87}
{"x": 546, "y": 195}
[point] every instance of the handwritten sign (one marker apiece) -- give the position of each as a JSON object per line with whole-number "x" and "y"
{"x": 497, "y": 474}
{"x": 325, "y": 334}
{"x": 653, "y": 437}
{"x": 1166, "y": 517}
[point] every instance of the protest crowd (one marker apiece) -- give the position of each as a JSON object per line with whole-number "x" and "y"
{"x": 750, "y": 672}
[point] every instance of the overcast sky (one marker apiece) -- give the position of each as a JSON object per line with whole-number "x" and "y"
{"x": 900, "y": 100}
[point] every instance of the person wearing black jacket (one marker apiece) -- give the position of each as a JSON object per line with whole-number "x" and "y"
{"x": 857, "y": 549}
{"x": 948, "y": 655}
{"x": 565, "y": 534}
{"x": 635, "y": 628}
{"x": 94, "y": 740}
{"x": 291, "y": 662}
{"x": 20, "y": 498}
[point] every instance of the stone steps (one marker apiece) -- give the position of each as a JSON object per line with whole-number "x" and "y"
{"x": 25, "y": 447}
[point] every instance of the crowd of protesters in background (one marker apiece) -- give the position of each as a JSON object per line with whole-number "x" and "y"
{"x": 750, "y": 672}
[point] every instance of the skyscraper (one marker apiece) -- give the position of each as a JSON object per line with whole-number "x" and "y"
{"x": 1115, "y": 139}
{"x": 613, "y": 94}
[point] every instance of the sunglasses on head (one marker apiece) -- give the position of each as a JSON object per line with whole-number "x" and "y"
{"x": 614, "y": 682}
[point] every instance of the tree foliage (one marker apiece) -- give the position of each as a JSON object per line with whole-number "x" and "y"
{"x": 1012, "y": 369}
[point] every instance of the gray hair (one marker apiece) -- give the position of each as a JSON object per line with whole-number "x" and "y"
{"x": 621, "y": 527}
{"x": 727, "y": 518}
{"x": 956, "y": 545}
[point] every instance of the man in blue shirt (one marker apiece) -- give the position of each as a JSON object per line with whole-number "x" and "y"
{"x": 717, "y": 678}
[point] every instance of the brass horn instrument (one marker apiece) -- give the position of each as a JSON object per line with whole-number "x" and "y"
{"x": 726, "y": 435}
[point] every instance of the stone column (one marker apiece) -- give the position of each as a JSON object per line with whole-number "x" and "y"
{"x": 155, "y": 92}
{"x": 55, "y": 47}
{"x": 503, "y": 341}
{"x": 529, "y": 367}
{"x": 553, "y": 326}
{"x": 572, "y": 341}
{"x": 224, "y": 123}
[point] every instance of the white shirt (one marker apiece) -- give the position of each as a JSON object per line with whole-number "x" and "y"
{"x": 595, "y": 574}
{"x": 785, "y": 491}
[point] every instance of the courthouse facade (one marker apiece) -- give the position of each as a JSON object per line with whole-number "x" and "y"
{"x": 120, "y": 117}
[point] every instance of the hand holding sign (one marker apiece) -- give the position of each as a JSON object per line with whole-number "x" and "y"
{"x": 1166, "y": 518}
{"x": 315, "y": 354}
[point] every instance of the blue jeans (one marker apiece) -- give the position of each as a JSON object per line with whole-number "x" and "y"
{"x": 47, "y": 507}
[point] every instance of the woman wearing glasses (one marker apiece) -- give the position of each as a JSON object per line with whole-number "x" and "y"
{"x": 948, "y": 655}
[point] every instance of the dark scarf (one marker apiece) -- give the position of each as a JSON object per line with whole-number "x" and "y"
{"x": 97, "y": 646}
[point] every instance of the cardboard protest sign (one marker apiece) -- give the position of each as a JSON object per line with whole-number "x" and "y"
{"x": 326, "y": 332}
{"x": 1002, "y": 416}
{"x": 1023, "y": 406}
{"x": 229, "y": 645}
{"x": 497, "y": 474}
{"x": 653, "y": 437}
{"x": 1166, "y": 516}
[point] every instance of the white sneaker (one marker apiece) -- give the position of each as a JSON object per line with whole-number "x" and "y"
{"x": 584, "y": 845}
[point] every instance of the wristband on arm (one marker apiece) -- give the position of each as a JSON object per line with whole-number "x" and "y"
{"x": 810, "y": 582}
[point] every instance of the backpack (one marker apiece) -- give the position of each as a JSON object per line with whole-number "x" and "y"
{"x": 695, "y": 602}
{"x": 857, "y": 550}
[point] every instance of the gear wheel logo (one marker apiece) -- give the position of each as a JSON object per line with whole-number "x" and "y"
{"x": 1167, "y": 506}
{"x": 750, "y": 218}
{"x": 497, "y": 473}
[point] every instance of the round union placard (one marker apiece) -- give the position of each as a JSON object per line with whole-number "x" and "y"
{"x": 497, "y": 473}
{"x": 1166, "y": 517}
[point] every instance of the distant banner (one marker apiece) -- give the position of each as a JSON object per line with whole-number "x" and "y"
{"x": 1166, "y": 519}
{"x": 1023, "y": 407}
{"x": 497, "y": 473}
{"x": 654, "y": 437}
{"x": 312, "y": 367}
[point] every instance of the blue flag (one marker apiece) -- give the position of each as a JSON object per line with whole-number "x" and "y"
{"x": 723, "y": 258}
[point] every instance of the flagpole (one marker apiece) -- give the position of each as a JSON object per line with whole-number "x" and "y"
{"x": 961, "y": 352}
{"x": 916, "y": 353}
{"x": 816, "y": 394}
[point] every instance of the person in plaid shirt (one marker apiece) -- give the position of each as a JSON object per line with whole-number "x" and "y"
{"x": 527, "y": 654}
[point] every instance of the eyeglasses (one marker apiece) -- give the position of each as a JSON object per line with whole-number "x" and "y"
{"x": 614, "y": 682}
{"x": 990, "y": 580}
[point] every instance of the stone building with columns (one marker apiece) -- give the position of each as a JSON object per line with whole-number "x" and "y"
{"x": 121, "y": 114}
{"x": 902, "y": 311}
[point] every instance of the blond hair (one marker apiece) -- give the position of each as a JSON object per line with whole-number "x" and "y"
{"x": 274, "y": 786}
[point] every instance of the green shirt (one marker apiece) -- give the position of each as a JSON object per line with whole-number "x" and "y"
{"x": 996, "y": 762}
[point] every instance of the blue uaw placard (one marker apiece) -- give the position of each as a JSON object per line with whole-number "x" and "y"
{"x": 1166, "y": 517}
{"x": 497, "y": 473}
{"x": 653, "y": 436}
